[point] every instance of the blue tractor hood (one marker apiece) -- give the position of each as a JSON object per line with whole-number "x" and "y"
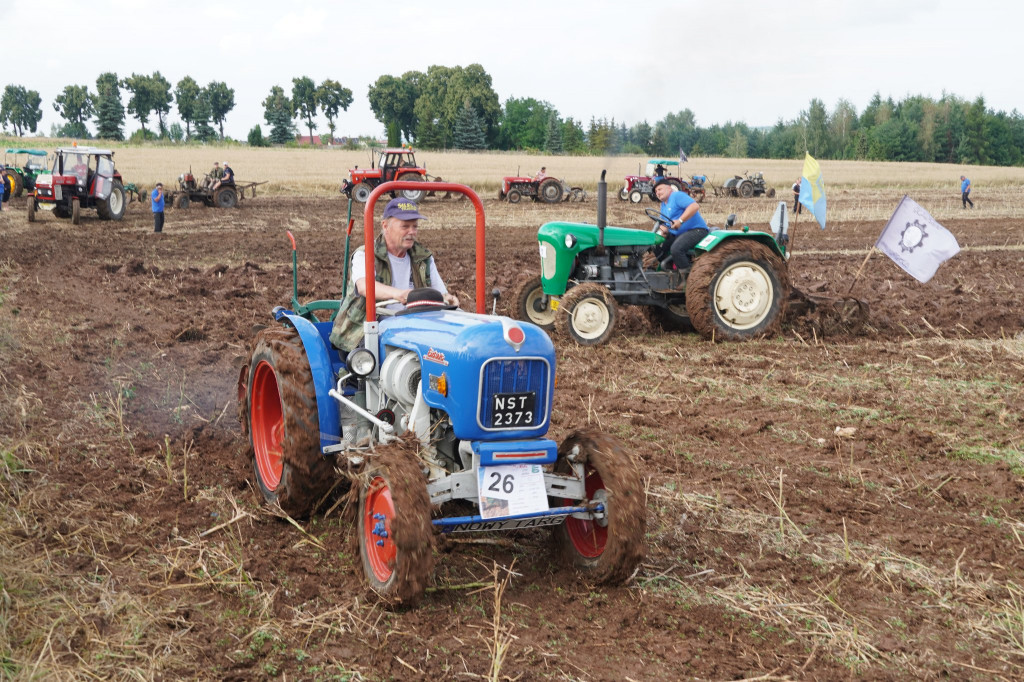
{"x": 474, "y": 358}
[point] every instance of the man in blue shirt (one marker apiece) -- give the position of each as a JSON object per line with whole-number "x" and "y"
{"x": 688, "y": 226}
{"x": 157, "y": 202}
{"x": 965, "y": 191}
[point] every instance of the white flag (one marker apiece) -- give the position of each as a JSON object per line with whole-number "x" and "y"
{"x": 915, "y": 241}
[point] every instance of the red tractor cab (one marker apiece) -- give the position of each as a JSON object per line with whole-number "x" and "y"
{"x": 398, "y": 163}
{"x": 81, "y": 178}
{"x": 639, "y": 186}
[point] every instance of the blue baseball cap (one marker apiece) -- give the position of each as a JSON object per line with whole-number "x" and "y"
{"x": 403, "y": 209}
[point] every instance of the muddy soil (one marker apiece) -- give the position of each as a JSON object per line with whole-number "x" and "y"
{"x": 818, "y": 508}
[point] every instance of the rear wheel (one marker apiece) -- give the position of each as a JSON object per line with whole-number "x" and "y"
{"x": 279, "y": 412}
{"x": 533, "y": 305}
{"x": 76, "y": 211}
{"x": 225, "y": 197}
{"x": 738, "y": 291}
{"x": 181, "y": 201}
{"x": 746, "y": 189}
{"x": 113, "y": 207}
{"x": 607, "y": 548}
{"x": 395, "y": 533}
{"x": 514, "y": 196}
{"x": 675, "y": 183}
{"x": 587, "y": 314}
{"x": 412, "y": 194}
{"x": 550, "y": 191}
{"x": 361, "y": 192}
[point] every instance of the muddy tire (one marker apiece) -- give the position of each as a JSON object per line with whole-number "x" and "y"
{"x": 76, "y": 211}
{"x": 636, "y": 196}
{"x": 361, "y": 192}
{"x": 746, "y": 189}
{"x": 225, "y": 197}
{"x": 31, "y": 209}
{"x": 623, "y": 194}
{"x": 533, "y": 305}
{"x": 514, "y": 196}
{"x": 278, "y": 411}
{"x": 182, "y": 201}
{"x": 607, "y": 550}
{"x": 18, "y": 184}
{"x": 395, "y": 533}
{"x": 671, "y": 319}
{"x": 411, "y": 194}
{"x": 737, "y": 292}
{"x": 550, "y": 191}
{"x": 587, "y": 313}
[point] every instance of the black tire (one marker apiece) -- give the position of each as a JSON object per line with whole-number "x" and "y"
{"x": 550, "y": 191}
{"x": 394, "y": 529}
{"x": 279, "y": 413}
{"x": 636, "y": 196}
{"x": 675, "y": 183}
{"x": 361, "y": 192}
{"x": 587, "y": 313}
{"x": 623, "y": 194}
{"x": 412, "y": 194}
{"x": 113, "y": 207}
{"x": 31, "y": 209}
{"x": 674, "y": 318}
{"x": 514, "y": 196}
{"x": 501, "y": 195}
{"x": 737, "y": 292}
{"x": 746, "y": 189}
{"x": 532, "y": 305}
{"x": 771, "y": 192}
{"x": 76, "y": 211}
{"x": 19, "y": 183}
{"x": 225, "y": 197}
{"x": 610, "y": 549}
{"x": 182, "y": 201}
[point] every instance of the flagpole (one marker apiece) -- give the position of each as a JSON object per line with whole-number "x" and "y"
{"x": 857, "y": 276}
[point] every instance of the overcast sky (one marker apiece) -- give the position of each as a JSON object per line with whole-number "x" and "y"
{"x": 751, "y": 61}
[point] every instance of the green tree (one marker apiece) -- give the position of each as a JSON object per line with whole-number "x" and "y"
{"x": 141, "y": 103}
{"x": 304, "y": 101}
{"x": 737, "y": 148}
{"x": 161, "y": 98}
{"x": 524, "y": 123}
{"x": 815, "y": 120}
{"x": 175, "y": 133}
{"x": 21, "y": 108}
{"x": 187, "y": 95}
{"x": 256, "y": 138}
{"x": 553, "y": 135}
{"x": 973, "y": 146}
{"x": 201, "y": 115}
{"x": 393, "y": 102}
{"x": 469, "y": 129}
{"x": 573, "y": 139}
{"x": 333, "y": 98}
{"x": 674, "y": 132}
{"x": 277, "y": 112}
{"x": 75, "y": 105}
{"x": 222, "y": 101}
{"x": 109, "y": 109}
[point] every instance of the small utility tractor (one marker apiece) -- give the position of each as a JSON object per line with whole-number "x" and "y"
{"x": 394, "y": 164}
{"x": 225, "y": 196}
{"x": 438, "y": 423}
{"x": 23, "y": 165}
{"x": 747, "y": 185}
{"x": 549, "y": 190}
{"x": 81, "y": 178}
{"x": 639, "y": 186}
{"x": 738, "y": 287}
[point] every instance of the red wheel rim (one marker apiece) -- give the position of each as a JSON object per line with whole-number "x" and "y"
{"x": 588, "y": 537}
{"x": 378, "y": 513}
{"x": 266, "y": 420}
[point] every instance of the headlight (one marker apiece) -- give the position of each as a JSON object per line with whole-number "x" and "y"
{"x": 361, "y": 362}
{"x": 570, "y": 241}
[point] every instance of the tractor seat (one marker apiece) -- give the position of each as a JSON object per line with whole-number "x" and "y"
{"x": 423, "y": 300}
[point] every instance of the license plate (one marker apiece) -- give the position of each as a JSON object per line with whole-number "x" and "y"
{"x": 513, "y": 409}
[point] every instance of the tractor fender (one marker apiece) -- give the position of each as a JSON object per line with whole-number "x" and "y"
{"x": 318, "y": 353}
{"x": 716, "y": 237}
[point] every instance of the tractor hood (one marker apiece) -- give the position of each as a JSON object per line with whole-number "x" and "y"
{"x": 471, "y": 364}
{"x": 560, "y": 243}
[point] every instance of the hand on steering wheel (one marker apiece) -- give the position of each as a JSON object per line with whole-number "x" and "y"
{"x": 659, "y": 218}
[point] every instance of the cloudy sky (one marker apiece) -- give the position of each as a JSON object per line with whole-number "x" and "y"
{"x": 742, "y": 60}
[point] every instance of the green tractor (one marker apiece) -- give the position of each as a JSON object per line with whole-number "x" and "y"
{"x": 23, "y": 165}
{"x": 737, "y": 289}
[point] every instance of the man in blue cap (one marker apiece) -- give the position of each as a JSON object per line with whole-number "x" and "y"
{"x": 401, "y": 263}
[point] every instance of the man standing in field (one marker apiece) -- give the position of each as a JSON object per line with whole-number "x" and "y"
{"x": 965, "y": 191}
{"x": 157, "y": 201}
{"x": 796, "y": 196}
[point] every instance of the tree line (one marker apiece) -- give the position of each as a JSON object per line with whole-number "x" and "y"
{"x": 458, "y": 108}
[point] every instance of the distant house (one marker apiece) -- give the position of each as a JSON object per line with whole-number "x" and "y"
{"x": 306, "y": 139}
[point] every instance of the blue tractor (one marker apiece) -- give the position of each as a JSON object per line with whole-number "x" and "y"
{"x": 439, "y": 420}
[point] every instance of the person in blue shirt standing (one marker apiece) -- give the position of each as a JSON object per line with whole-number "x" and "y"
{"x": 965, "y": 191}
{"x": 687, "y": 225}
{"x": 157, "y": 202}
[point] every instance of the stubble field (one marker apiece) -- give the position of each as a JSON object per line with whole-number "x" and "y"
{"x": 818, "y": 508}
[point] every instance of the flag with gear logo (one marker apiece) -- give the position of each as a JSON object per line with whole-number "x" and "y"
{"x": 915, "y": 241}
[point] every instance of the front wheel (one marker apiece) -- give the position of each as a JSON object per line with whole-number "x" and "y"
{"x": 771, "y": 193}
{"x": 636, "y": 196}
{"x": 361, "y": 192}
{"x": 587, "y": 314}
{"x": 76, "y": 211}
{"x": 623, "y": 194}
{"x": 31, "y": 209}
{"x": 737, "y": 292}
{"x": 395, "y": 533}
{"x": 607, "y": 548}
{"x": 533, "y": 305}
{"x": 278, "y": 410}
{"x": 514, "y": 196}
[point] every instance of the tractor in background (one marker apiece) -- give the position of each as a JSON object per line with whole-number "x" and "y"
{"x": 639, "y": 186}
{"x": 81, "y": 178}
{"x": 397, "y": 163}
{"x": 23, "y": 166}
{"x": 439, "y": 421}
{"x": 747, "y": 185}
{"x": 548, "y": 189}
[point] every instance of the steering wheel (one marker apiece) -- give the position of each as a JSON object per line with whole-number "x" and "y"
{"x": 382, "y": 307}
{"x": 659, "y": 218}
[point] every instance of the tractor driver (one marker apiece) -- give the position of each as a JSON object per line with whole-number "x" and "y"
{"x": 688, "y": 226}
{"x": 541, "y": 174}
{"x": 402, "y": 264}
{"x": 215, "y": 174}
{"x": 227, "y": 177}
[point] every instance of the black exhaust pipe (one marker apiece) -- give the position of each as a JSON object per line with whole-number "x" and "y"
{"x": 602, "y": 208}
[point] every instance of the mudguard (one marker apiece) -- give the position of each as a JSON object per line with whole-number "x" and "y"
{"x": 318, "y": 353}
{"x": 716, "y": 237}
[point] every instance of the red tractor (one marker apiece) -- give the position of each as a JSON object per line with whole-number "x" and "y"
{"x": 547, "y": 189}
{"x": 393, "y": 164}
{"x": 81, "y": 178}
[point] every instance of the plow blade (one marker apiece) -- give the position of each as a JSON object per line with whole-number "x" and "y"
{"x": 828, "y": 315}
